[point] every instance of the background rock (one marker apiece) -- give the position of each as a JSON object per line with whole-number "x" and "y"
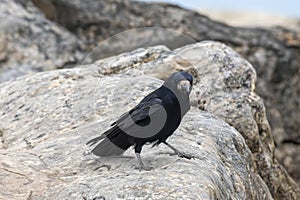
{"x": 47, "y": 118}
{"x": 31, "y": 43}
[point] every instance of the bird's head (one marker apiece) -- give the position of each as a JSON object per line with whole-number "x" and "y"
{"x": 181, "y": 82}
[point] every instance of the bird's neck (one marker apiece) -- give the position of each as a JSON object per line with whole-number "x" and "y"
{"x": 183, "y": 100}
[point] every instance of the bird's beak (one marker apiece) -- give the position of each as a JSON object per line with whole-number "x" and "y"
{"x": 184, "y": 86}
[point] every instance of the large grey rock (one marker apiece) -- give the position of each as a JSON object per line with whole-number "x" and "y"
{"x": 31, "y": 43}
{"x": 225, "y": 87}
{"x": 46, "y": 118}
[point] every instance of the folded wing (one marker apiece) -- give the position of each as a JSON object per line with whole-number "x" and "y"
{"x": 123, "y": 132}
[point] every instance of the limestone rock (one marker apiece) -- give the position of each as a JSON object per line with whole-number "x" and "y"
{"x": 46, "y": 118}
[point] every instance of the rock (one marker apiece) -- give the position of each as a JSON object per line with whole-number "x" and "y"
{"x": 31, "y": 43}
{"x": 239, "y": 105}
{"x": 274, "y": 52}
{"x": 48, "y": 117}
{"x": 288, "y": 154}
{"x": 209, "y": 175}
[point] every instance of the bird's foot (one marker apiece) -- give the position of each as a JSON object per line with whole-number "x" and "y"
{"x": 177, "y": 152}
{"x": 143, "y": 167}
{"x": 141, "y": 164}
{"x": 183, "y": 155}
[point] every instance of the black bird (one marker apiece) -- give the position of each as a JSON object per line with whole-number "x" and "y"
{"x": 153, "y": 120}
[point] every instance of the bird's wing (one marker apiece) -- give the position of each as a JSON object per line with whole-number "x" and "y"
{"x": 140, "y": 114}
{"x": 116, "y": 140}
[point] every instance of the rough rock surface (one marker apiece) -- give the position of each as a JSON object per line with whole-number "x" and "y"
{"x": 274, "y": 53}
{"x": 245, "y": 112}
{"x": 47, "y": 118}
{"x": 29, "y": 42}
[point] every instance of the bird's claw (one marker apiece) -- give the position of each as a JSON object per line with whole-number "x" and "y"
{"x": 143, "y": 167}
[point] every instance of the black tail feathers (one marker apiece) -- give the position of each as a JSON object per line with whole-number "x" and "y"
{"x": 112, "y": 142}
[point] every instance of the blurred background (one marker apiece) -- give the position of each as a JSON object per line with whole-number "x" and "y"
{"x": 246, "y": 13}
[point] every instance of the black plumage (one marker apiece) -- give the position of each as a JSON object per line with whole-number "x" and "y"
{"x": 153, "y": 120}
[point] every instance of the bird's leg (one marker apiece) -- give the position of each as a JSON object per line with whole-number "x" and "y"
{"x": 138, "y": 150}
{"x": 177, "y": 152}
{"x": 141, "y": 164}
